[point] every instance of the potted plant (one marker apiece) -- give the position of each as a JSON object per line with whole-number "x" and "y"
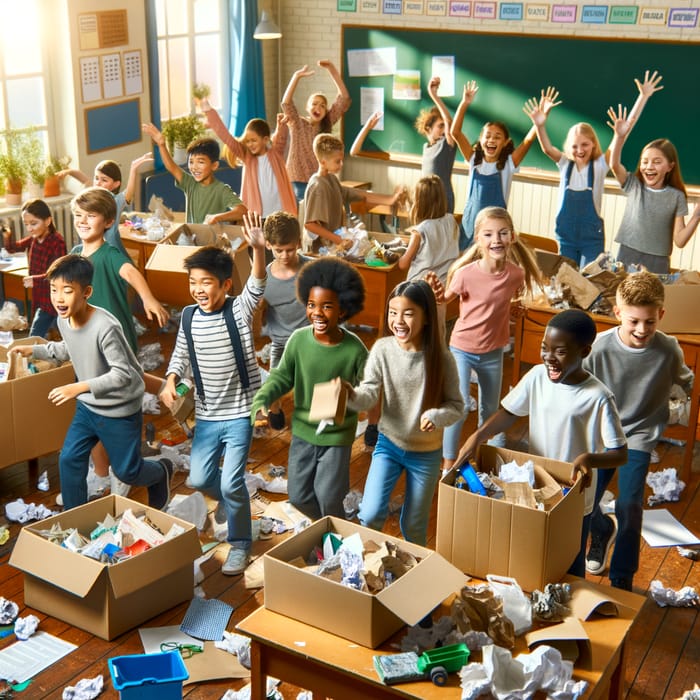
{"x": 180, "y": 132}
{"x": 200, "y": 91}
{"x": 35, "y": 161}
{"x": 13, "y": 165}
{"x": 52, "y": 184}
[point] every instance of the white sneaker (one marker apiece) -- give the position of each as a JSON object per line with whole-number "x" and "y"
{"x": 96, "y": 485}
{"x": 117, "y": 487}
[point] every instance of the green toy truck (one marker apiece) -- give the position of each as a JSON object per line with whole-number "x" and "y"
{"x": 434, "y": 664}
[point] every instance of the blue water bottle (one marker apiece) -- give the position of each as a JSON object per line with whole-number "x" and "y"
{"x": 466, "y": 476}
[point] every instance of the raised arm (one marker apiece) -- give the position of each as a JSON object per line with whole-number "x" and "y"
{"x": 337, "y": 79}
{"x": 548, "y": 99}
{"x": 133, "y": 170}
{"x": 78, "y": 175}
{"x": 151, "y": 306}
{"x": 535, "y": 109}
{"x": 170, "y": 165}
{"x": 683, "y": 232}
{"x": 433, "y": 87}
{"x": 303, "y": 72}
{"x": 468, "y": 94}
{"x": 621, "y": 127}
{"x": 281, "y": 136}
{"x": 219, "y": 128}
{"x": 359, "y": 141}
{"x": 252, "y": 229}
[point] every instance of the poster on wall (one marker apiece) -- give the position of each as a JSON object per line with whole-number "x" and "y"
{"x": 133, "y": 72}
{"x": 112, "y": 126}
{"x": 90, "y": 83}
{"x": 112, "y": 76}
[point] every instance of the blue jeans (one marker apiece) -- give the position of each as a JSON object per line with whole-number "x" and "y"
{"x": 299, "y": 189}
{"x": 230, "y": 438}
{"x": 121, "y": 438}
{"x": 422, "y": 474}
{"x": 631, "y": 478}
{"x": 489, "y": 373}
{"x": 41, "y": 323}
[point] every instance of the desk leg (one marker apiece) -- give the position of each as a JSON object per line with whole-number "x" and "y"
{"x": 258, "y": 675}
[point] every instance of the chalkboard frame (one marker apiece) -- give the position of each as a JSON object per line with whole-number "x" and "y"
{"x": 113, "y": 125}
{"x": 502, "y": 98}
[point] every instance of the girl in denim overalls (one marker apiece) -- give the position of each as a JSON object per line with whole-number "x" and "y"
{"x": 583, "y": 166}
{"x": 493, "y": 160}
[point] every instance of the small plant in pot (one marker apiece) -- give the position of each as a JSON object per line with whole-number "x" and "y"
{"x": 35, "y": 161}
{"x": 52, "y": 183}
{"x": 180, "y": 132}
{"x": 13, "y": 164}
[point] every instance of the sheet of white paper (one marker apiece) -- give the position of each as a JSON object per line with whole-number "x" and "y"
{"x": 661, "y": 529}
{"x": 366, "y": 62}
{"x": 371, "y": 101}
{"x": 24, "y": 660}
{"x": 153, "y": 637}
{"x": 444, "y": 68}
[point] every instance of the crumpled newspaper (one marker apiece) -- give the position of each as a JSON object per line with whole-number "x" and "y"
{"x": 20, "y": 512}
{"x": 8, "y": 611}
{"x": 42, "y": 483}
{"x": 10, "y": 319}
{"x": 271, "y": 692}
{"x": 513, "y": 473}
{"x": 150, "y": 404}
{"x": 666, "y": 485}
{"x": 692, "y": 554}
{"x": 150, "y": 356}
{"x": 686, "y": 597}
{"x": 550, "y": 605}
{"x": 351, "y": 503}
{"x": 84, "y": 689}
{"x": 236, "y": 644}
{"x": 521, "y": 677}
{"x": 693, "y": 694}
{"x": 26, "y": 626}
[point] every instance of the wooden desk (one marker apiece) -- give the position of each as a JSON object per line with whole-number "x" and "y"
{"x": 379, "y": 282}
{"x": 529, "y": 330}
{"x": 13, "y": 287}
{"x": 137, "y": 246}
{"x": 331, "y": 666}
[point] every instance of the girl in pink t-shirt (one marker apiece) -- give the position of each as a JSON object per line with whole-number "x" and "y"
{"x": 495, "y": 270}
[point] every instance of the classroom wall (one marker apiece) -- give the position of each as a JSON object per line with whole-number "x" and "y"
{"x": 312, "y": 30}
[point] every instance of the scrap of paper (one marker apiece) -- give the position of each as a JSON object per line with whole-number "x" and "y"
{"x": 24, "y": 660}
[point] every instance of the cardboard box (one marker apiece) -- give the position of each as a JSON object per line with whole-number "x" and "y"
{"x": 34, "y": 425}
{"x": 681, "y": 303}
{"x": 482, "y": 535}
{"x": 165, "y": 272}
{"x": 360, "y": 617}
{"x": 105, "y": 600}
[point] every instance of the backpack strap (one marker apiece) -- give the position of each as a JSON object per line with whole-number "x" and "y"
{"x": 186, "y": 323}
{"x": 236, "y": 343}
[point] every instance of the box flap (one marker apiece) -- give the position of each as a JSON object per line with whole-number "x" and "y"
{"x": 422, "y": 589}
{"x": 70, "y": 571}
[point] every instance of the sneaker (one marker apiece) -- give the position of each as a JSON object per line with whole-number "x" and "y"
{"x": 624, "y": 583}
{"x": 220, "y": 516}
{"x": 598, "y": 552}
{"x": 236, "y": 562}
{"x": 117, "y": 487}
{"x": 371, "y": 435}
{"x": 96, "y": 485}
{"x": 59, "y": 499}
{"x": 276, "y": 420}
{"x": 159, "y": 494}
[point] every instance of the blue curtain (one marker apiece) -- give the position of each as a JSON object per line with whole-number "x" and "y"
{"x": 247, "y": 90}
{"x": 153, "y": 77}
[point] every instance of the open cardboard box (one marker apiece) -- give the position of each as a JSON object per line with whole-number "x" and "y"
{"x": 682, "y": 302}
{"x": 165, "y": 271}
{"x": 105, "y": 600}
{"x": 24, "y": 405}
{"x": 360, "y": 617}
{"x": 482, "y": 535}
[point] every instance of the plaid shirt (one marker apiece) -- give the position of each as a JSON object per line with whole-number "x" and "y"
{"x": 40, "y": 256}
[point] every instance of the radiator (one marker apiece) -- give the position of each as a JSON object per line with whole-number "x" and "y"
{"x": 11, "y": 217}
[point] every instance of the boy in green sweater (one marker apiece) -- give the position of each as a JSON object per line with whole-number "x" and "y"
{"x": 332, "y": 291}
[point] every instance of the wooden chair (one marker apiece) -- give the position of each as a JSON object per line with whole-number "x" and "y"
{"x": 541, "y": 242}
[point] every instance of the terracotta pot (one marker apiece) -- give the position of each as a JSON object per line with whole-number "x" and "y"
{"x": 13, "y": 195}
{"x": 52, "y": 186}
{"x": 35, "y": 190}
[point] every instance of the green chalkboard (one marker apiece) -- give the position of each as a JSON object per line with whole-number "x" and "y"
{"x": 590, "y": 74}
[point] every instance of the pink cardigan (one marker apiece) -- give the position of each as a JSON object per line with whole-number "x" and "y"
{"x": 250, "y": 190}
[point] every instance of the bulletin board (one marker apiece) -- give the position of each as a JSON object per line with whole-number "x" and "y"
{"x": 591, "y": 74}
{"x": 113, "y": 125}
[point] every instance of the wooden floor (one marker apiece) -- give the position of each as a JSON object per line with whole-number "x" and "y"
{"x": 664, "y": 645}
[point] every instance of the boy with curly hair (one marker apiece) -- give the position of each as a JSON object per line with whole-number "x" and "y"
{"x": 319, "y": 463}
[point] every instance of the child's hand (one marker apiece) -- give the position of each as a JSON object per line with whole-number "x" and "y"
{"x": 468, "y": 449}
{"x": 252, "y": 228}
{"x": 155, "y": 310}
{"x": 517, "y": 310}
{"x": 202, "y": 104}
{"x": 326, "y": 63}
{"x": 304, "y": 72}
{"x": 436, "y": 285}
{"x": 261, "y": 416}
{"x": 153, "y": 131}
{"x": 581, "y": 470}
{"x": 62, "y": 394}
{"x": 282, "y": 119}
{"x": 211, "y": 219}
{"x": 650, "y": 84}
{"x": 169, "y": 395}
{"x": 533, "y": 110}
{"x": 619, "y": 122}
{"x": 434, "y": 86}
{"x": 426, "y": 425}
{"x": 28, "y": 282}
{"x": 549, "y": 98}
{"x": 138, "y": 162}
{"x": 23, "y": 350}
{"x": 469, "y": 91}
{"x": 373, "y": 119}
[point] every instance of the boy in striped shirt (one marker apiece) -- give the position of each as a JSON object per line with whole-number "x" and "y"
{"x": 220, "y": 353}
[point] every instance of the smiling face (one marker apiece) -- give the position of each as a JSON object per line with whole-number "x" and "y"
{"x": 317, "y": 108}
{"x": 324, "y": 314}
{"x": 109, "y": 183}
{"x": 37, "y": 228}
{"x": 207, "y": 290}
{"x": 637, "y": 324}
{"x": 655, "y": 167}
{"x": 494, "y": 237}
{"x": 201, "y": 168}
{"x": 69, "y": 298}
{"x": 562, "y": 356}
{"x": 406, "y": 320}
{"x": 581, "y": 149}
{"x": 492, "y": 140}
{"x": 90, "y": 226}
{"x": 256, "y": 144}
{"x": 332, "y": 164}
{"x": 435, "y": 131}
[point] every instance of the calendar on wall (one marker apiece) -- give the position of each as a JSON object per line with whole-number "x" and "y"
{"x": 103, "y": 30}
{"x": 112, "y": 76}
{"x": 133, "y": 72}
{"x": 90, "y": 82}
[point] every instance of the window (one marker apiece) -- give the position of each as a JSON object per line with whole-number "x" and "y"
{"x": 190, "y": 50}
{"x": 22, "y": 79}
